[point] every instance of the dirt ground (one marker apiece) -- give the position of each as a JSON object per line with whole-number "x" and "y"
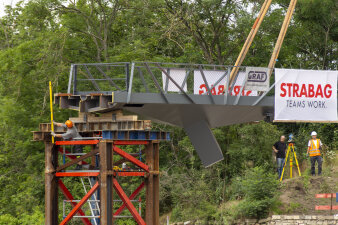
{"x": 298, "y": 194}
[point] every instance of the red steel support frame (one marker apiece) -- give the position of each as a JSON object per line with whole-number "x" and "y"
{"x": 106, "y": 186}
{"x": 152, "y": 184}
{"x": 69, "y": 196}
{"x": 131, "y": 158}
{"x": 84, "y": 142}
{"x": 107, "y": 182}
{"x": 131, "y": 197}
{"x": 51, "y": 185}
{"x": 80, "y": 204}
{"x": 71, "y": 156}
{"x": 127, "y": 202}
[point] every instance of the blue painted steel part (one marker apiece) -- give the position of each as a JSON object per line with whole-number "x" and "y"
{"x": 136, "y": 135}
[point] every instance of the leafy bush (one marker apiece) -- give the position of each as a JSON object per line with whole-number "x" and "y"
{"x": 7, "y": 219}
{"x": 36, "y": 218}
{"x": 259, "y": 189}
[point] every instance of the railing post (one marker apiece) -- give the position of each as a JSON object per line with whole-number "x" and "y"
{"x": 130, "y": 88}
{"x": 70, "y": 79}
{"x": 127, "y": 75}
{"x": 74, "y": 78}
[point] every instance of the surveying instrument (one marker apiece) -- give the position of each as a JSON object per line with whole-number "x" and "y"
{"x": 291, "y": 153}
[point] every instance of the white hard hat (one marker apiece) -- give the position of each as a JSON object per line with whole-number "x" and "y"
{"x": 313, "y": 133}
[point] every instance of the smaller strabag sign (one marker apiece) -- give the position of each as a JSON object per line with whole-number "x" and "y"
{"x": 257, "y": 79}
{"x": 305, "y": 95}
{"x": 216, "y": 81}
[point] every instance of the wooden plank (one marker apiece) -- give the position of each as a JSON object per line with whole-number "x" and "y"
{"x": 62, "y": 94}
{"x": 249, "y": 39}
{"x": 281, "y": 35}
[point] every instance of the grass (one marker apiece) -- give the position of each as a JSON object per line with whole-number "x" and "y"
{"x": 292, "y": 207}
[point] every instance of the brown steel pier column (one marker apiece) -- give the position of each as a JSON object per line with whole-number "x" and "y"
{"x": 106, "y": 186}
{"x": 152, "y": 184}
{"x": 51, "y": 187}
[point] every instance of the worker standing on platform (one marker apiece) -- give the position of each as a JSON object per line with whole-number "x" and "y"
{"x": 279, "y": 148}
{"x": 71, "y": 133}
{"x": 314, "y": 147}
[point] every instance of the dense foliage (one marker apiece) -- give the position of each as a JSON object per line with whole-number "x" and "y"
{"x": 40, "y": 39}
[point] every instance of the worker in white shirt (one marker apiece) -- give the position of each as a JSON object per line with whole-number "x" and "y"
{"x": 314, "y": 148}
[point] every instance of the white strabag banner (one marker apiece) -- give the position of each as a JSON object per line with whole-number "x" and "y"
{"x": 216, "y": 81}
{"x": 178, "y": 75}
{"x": 305, "y": 95}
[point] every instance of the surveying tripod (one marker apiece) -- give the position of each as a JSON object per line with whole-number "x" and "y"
{"x": 291, "y": 149}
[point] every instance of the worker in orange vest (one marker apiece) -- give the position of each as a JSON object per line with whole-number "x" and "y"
{"x": 314, "y": 147}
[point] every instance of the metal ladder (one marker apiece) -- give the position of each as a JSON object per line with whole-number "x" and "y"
{"x": 94, "y": 202}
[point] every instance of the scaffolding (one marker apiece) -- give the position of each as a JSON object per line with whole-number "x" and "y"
{"x": 100, "y": 182}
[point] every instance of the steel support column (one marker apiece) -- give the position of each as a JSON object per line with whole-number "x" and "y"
{"x": 106, "y": 186}
{"x": 156, "y": 178}
{"x": 51, "y": 185}
{"x": 152, "y": 184}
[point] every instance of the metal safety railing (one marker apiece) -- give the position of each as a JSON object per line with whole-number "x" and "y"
{"x": 162, "y": 78}
{"x": 98, "y": 77}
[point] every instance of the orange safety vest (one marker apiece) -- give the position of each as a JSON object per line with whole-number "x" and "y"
{"x": 314, "y": 149}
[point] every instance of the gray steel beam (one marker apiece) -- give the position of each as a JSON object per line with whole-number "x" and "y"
{"x": 91, "y": 78}
{"x": 155, "y": 98}
{"x": 226, "y": 86}
{"x": 207, "y": 85}
{"x": 185, "y": 79}
{"x": 112, "y": 83}
{"x": 204, "y": 142}
{"x": 240, "y": 91}
{"x": 142, "y": 79}
{"x": 74, "y": 78}
{"x": 263, "y": 96}
{"x": 156, "y": 83}
{"x": 176, "y": 84}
